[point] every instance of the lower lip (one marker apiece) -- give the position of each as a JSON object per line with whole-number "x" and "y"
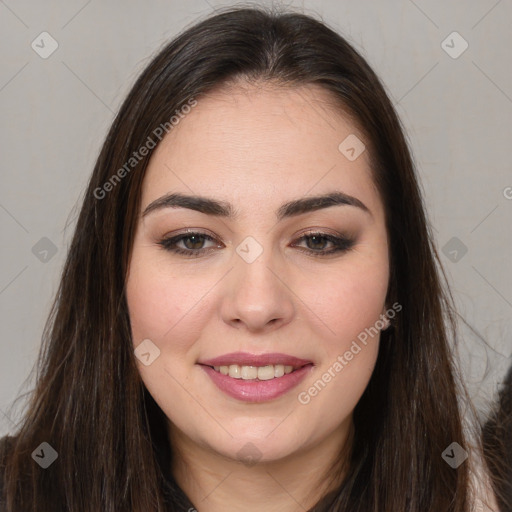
{"x": 257, "y": 390}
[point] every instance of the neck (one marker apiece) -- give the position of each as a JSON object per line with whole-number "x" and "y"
{"x": 215, "y": 483}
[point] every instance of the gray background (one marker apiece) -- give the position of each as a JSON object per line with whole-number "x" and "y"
{"x": 457, "y": 113}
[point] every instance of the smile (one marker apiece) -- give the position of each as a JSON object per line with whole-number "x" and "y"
{"x": 266, "y": 372}
{"x": 246, "y": 384}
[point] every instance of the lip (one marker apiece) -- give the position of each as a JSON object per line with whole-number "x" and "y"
{"x": 257, "y": 390}
{"x": 248, "y": 359}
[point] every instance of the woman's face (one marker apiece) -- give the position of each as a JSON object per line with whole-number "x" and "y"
{"x": 270, "y": 280}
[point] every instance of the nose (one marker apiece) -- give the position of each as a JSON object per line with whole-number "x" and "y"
{"x": 257, "y": 296}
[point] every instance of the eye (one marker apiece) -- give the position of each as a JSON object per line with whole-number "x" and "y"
{"x": 316, "y": 243}
{"x": 192, "y": 241}
{"x": 192, "y": 244}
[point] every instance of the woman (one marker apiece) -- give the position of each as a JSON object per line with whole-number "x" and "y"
{"x": 250, "y": 314}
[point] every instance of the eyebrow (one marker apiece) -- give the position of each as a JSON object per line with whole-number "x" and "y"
{"x": 224, "y": 209}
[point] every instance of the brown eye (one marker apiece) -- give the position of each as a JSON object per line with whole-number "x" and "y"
{"x": 317, "y": 242}
{"x": 192, "y": 244}
{"x": 196, "y": 241}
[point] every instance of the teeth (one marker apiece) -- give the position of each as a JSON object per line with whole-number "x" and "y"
{"x": 267, "y": 372}
{"x": 234, "y": 371}
{"x": 248, "y": 372}
{"x": 278, "y": 370}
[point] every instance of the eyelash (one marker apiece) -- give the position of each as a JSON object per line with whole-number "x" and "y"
{"x": 341, "y": 244}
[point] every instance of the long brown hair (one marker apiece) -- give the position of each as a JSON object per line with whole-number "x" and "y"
{"x": 90, "y": 404}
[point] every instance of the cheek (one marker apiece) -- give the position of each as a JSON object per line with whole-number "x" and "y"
{"x": 349, "y": 300}
{"x": 350, "y": 306}
{"x": 152, "y": 310}
{"x": 163, "y": 307}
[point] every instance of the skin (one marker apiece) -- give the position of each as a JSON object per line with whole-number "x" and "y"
{"x": 258, "y": 147}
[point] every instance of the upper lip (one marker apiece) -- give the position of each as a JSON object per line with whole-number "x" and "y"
{"x": 248, "y": 359}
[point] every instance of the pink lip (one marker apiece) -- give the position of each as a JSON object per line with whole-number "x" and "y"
{"x": 247, "y": 359}
{"x": 257, "y": 390}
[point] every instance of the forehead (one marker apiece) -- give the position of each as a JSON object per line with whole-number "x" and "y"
{"x": 259, "y": 142}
